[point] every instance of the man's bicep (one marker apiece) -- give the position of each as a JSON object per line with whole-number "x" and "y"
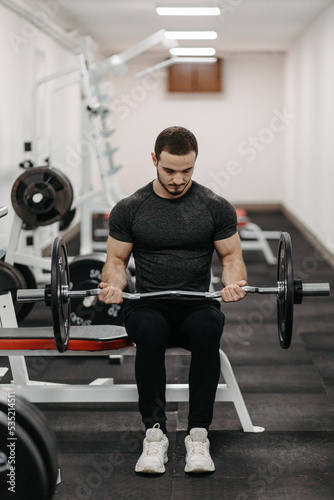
{"x": 228, "y": 248}
{"x": 118, "y": 250}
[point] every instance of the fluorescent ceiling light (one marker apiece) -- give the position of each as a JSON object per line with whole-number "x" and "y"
{"x": 188, "y": 11}
{"x": 191, "y": 35}
{"x": 193, "y": 51}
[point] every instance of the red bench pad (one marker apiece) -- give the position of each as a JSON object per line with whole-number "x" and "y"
{"x": 242, "y": 217}
{"x": 82, "y": 338}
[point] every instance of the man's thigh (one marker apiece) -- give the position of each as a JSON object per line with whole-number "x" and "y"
{"x": 203, "y": 324}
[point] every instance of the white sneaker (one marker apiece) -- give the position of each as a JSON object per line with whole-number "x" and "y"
{"x": 154, "y": 456}
{"x": 198, "y": 457}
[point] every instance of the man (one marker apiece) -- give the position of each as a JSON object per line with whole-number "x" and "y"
{"x": 172, "y": 226}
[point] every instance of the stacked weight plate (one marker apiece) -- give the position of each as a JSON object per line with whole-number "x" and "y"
{"x": 29, "y": 459}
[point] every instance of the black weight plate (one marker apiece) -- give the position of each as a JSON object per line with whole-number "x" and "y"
{"x": 30, "y": 479}
{"x": 66, "y": 220}
{"x": 285, "y": 298}
{"x": 41, "y": 196}
{"x": 60, "y": 305}
{"x": 12, "y": 280}
{"x": 35, "y": 424}
{"x": 85, "y": 273}
{"x": 30, "y": 283}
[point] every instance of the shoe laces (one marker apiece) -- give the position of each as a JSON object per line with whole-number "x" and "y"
{"x": 197, "y": 448}
{"x": 153, "y": 448}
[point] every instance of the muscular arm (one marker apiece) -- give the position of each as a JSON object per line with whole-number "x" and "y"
{"x": 113, "y": 279}
{"x": 234, "y": 274}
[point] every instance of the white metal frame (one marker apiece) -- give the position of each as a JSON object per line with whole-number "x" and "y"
{"x": 104, "y": 389}
{"x": 254, "y": 238}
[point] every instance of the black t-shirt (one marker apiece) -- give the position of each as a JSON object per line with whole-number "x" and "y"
{"x": 173, "y": 239}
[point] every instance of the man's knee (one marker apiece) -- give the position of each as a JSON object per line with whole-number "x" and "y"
{"x": 207, "y": 329}
{"x": 206, "y": 339}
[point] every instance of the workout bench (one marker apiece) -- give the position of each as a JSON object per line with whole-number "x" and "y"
{"x": 97, "y": 340}
{"x": 254, "y": 238}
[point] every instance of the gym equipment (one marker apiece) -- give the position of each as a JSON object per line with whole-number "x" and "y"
{"x": 32, "y": 421}
{"x": 99, "y": 340}
{"x": 41, "y": 196}
{"x": 30, "y": 282}
{"x": 26, "y": 164}
{"x": 66, "y": 220}
{"x": 287, "y": 290}
{"x": 30, "y": 474}
{"x": 3, "y": 211}
{"x": 29, "y": 455}
{"x": 85, "y": 273}
{"x": 13, "y": 278}
{"x": 60, "y": 281}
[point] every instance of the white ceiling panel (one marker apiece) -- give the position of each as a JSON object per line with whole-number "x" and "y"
{"x": 244, "y": 25}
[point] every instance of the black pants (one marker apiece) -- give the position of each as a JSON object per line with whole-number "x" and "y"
{"x": 195, "y": 325}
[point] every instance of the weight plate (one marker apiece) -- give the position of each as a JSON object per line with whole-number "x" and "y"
{"x": 11, "y": 280}
{"x": 41, "y": 196}
{"x": 27, "y": 474}
{"x": 34, "y": 423}
{"x": 285, "y": 297}
{"x": 29, "y": 282}
{"x": 66, "y": 220}
{"x": 85, "y": 273}
{"x": 60, "y": 305}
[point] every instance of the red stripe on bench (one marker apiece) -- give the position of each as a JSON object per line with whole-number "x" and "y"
{"x": 73, "y": 345}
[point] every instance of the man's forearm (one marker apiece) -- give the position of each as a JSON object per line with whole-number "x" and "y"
{"x": 234, "y": 271}
{"x": 114, "y": 274}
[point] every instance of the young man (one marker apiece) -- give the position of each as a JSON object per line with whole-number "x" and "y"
{"x": 172, "y": 226}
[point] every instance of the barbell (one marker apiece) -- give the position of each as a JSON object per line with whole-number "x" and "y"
{"x": 58, "y": 294}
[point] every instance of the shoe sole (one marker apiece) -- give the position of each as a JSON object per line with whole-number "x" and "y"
{"x": 198, "y": 468}
{"x": 151, "y": 470}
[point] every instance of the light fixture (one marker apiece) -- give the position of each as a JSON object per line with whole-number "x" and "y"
{"x": 191, "y": 35}
{"x": 192, "y": 51}
{"x": 188, "y": 11}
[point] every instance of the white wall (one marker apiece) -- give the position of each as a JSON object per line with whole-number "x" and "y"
{"x": 248, "y": 109}
{"x": 309, "y": 191}
{"x": 27, "y": 54}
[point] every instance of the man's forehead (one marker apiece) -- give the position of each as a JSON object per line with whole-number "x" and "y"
{"x": 177, "y": 161}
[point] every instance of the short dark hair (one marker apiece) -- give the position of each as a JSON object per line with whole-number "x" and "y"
{"x": 176, "y": 141}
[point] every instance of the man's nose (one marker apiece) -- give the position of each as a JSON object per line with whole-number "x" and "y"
{"x": 177, "y": 179}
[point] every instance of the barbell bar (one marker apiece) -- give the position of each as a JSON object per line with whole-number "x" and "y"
{"x": 58, "y": 295}
{"x": 39, "y": 295}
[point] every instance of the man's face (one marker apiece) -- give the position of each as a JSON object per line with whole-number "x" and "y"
{"x": 174, "y": 171}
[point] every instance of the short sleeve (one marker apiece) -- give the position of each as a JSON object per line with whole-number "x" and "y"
{"x": 120, "y": 223}
{"x": 225, "y": 220}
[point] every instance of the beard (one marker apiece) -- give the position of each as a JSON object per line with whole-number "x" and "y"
{"x": 172, "y": 189}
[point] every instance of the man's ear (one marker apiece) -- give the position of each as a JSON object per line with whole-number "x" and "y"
{"x": 154, "y": 159}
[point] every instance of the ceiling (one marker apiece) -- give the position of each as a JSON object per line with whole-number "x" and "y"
{"x": 244, "y": 25}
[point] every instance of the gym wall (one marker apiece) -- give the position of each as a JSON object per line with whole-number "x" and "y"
{"x": 251, "y": 102}
{"x": 309, "y": 84}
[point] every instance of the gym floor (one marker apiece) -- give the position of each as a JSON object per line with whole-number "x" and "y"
{"x": 289, "y": 392}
